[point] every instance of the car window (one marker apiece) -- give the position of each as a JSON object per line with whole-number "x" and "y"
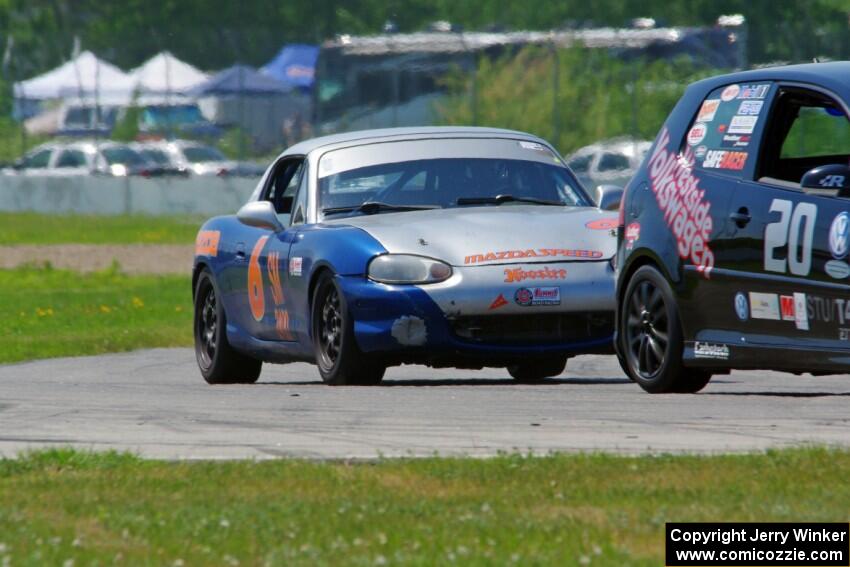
{"x": 122, "y": 155}
{"x": 580, "y": 164}
{"x": 807, "y": 129}
{"x": 38, "y": 160}
{"x": 612, "y": 162}
{"x": 202, "y": 154}
{"x": 283, "y": 184}
{"x": 71, "y": 158}
{"x": 156, "y": 156}
{"x": 299, "y": 210}
{"x": 721, "y": 134}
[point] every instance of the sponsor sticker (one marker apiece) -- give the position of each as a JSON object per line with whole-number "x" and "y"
{"x": 531, "y": 253}
{"x": 827, "y": 310}
{"x": 735, "y": 141}
{"x": 538, "y": 296}
{"x": 742, "y": 307}
{"x": 700, "y": 151}
{"x": 786, "y": 304}
{"x": 801, "y": 313}
{"x": 837, "y": 269}
{"x": 499, "y": 302}
{"x": 295, "y": 264}
{"x": 708, "y": 350}
{"x": 602, "y": 224}
{"x": 844, "y": 334}
{"x": 513, "y": 275}
{"x": 742, "y": 124}
{"x": 754, "y": 91}
{"x": 750, "y": 107}
{"x": 764, "y": 306}
{"x": 681, "y": 202}
{"x": 725, "y": 159}
{"x": 206, "y": 243}
{"x": 708, "y": 110}
{"x": 729, "y": 93}
{"x": 839, "y": 235}
{"x": 632, "y": 234}
{"x": 697, "y": 134}
{"x": 534, "y": 146}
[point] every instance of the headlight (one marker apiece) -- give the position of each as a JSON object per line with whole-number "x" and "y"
{"x": 408, "y": 269}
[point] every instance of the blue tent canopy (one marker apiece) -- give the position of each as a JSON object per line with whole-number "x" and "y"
{"x": 294, "y": 65}
{"x": 240, "y": 80}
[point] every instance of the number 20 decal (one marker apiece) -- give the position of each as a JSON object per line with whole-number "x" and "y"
{"x": 795, "y": 230}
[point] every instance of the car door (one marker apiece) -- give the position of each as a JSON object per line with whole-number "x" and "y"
{"x": 264, "y": 310}
{"x": 793, "y": 264}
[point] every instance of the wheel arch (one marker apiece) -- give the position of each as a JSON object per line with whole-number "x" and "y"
{"x": 196, "y": 273}
{"x": 638, "y": 259}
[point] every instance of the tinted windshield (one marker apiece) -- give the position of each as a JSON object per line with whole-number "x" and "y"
{"x": 445, "y": 174}
{"x": 172, "y": 115}
{"x": 124, "y": 156}
{"x": 201, "y": 154}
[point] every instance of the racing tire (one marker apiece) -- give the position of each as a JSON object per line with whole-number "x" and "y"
{"x": 219, "y": 362}
{"x": 340, "y": 361}
{"x": 537, "y": 370}
{"x": 652, "y": 337}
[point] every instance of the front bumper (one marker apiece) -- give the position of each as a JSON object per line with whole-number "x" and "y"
{"x": 475, "y": 315}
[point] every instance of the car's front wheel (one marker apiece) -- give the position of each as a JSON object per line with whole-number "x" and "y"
{"x": 339, "y": 359}
{"x": 537, "y": 370}
{"x": 219, "y": 362}
{"x": 652, "y": 337}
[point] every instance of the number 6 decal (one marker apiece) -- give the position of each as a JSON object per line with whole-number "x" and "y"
{"x": 256, "y": 295}
{"x": 794, "y": 224}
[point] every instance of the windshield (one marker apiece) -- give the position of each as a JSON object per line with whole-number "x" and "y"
{"x": 162, "y": 116}
{"x": 158, "y": 157}
{"x": 444, "y": 173}
{"x": 124, "y": 156}
{"x": 201, "y": 154}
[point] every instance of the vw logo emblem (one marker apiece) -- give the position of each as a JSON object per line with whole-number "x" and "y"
{"x": 742, "y": 307}
{"x": 838, "y": 235}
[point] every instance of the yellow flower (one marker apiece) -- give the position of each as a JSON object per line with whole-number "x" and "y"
{"x": 105, "y": 309}
{"x": 178, "y": 309}
{"x": 138, "y": 303}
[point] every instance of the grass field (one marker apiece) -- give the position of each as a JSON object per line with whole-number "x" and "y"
{"x": 33, "y": 228}
{"x": 48, "y": 313}
{"x": 562, "y": 510}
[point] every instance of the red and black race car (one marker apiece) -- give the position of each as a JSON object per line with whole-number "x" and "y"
{"x": 734, "y": 234}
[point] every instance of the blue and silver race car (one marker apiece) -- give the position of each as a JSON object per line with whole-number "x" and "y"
{"x": 465, "y": 247}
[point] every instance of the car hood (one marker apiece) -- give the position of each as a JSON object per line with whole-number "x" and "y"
{"x": 506, "y": 234}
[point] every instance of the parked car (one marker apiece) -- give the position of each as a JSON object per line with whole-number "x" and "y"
{"x": 734, "y": 235}
{"x": 186, "y": 156}
{"x": 84, "y": 158}
{"x": 612, "y": 162}
{"x": 449, "y": 246}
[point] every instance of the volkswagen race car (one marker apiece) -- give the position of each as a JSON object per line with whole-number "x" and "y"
{"x": 734, "y": 235}
{"x": 466, "y": 247}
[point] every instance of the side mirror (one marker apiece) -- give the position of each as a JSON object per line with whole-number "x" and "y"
{"x": 833, "y": 179}
{"x": 260, "y": 214}
{"x": 608, "y": 197}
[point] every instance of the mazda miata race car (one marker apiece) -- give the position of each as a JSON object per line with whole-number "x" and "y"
{"x": 466, "y": 247}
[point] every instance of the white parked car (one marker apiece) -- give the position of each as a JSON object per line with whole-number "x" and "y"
{"x": 82, "y": 158}
{"x": 191, "y": 157}
{"x": 611, "y": 162}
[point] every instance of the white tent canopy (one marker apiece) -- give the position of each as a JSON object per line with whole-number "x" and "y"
{"x": 164, "y": 73}
{"x": 85, "y": 75}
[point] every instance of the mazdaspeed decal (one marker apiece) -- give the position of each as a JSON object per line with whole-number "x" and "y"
{"x": 518, "y": 274}
{"x": 531, "y": 253}
{"x": 682, "y": 203}
{"x": 206, "y": 243}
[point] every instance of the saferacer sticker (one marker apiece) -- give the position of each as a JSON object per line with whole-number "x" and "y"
{"x": 531, "y": 253}
{"x": 725, "y": 159}
{"x": 682, "y": 203}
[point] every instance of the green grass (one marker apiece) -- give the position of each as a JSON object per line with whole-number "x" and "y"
{"x": 560, "y": 510}
{"x": 47, "y": 313}
{"x": 33, "y": 228}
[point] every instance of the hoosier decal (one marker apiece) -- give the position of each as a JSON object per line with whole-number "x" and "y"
{"x": 681, "y": 201}
{"x": 518, "y": 274}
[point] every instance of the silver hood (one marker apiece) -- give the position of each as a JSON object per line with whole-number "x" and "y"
{"x": 506, "y": 234}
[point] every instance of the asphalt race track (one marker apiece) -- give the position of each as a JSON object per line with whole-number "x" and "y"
{"x": 155, "y": 403}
